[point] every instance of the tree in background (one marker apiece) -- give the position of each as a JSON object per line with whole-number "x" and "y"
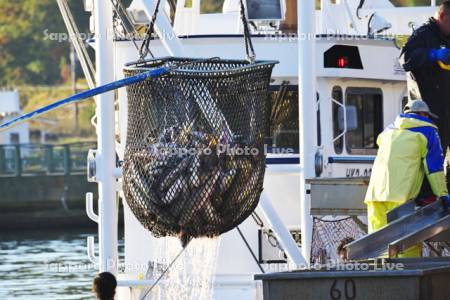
{"x": 414, "y": 2}
{"x": 27, "y": 54}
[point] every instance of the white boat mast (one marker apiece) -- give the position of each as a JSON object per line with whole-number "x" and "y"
{"x": 307, "y": 101}
{"x": 106, "y": 154}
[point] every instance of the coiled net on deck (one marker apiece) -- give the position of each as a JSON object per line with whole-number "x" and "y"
{"x": 194, "y": 161}
{"x": 329, "y": 234}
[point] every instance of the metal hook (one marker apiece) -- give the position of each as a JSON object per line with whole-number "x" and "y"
{"x": 90, "y": 250}
{"x": 90, "y": 207}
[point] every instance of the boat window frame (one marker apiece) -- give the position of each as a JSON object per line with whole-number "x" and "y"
{"x": 338, "y": 144}
{"x": 275, "y": 149}
{"x": 379, "y": 119}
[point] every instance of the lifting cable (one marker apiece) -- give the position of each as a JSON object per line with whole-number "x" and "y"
{"x": 145, "y": 46}
{"x": 127, "y": 24}
{"x": 250, "y": 249}
{"x": 250, "y": 51}
{"x": 78, "y": 43}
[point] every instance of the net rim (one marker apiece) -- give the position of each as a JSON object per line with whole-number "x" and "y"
{"x": 246, "y": 66}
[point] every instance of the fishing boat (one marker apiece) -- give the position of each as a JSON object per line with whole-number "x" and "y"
{"x": 338, "y": 83}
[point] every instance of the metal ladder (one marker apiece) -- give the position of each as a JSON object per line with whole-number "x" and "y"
{"x": 406, "y": 227}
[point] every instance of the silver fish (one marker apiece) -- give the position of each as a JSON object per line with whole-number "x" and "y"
{"x": 210, "y": 214}
{"x": 139, "y": 180}
{"x": 255, "y": 179}
{"x": 174, "y": 174}
{"x": 174, "y": 191}
{"x": 153, "y": 170}
{"x": 152, "y": 212}
{"x": 213, "y": 115}
{"x": 194, "y": 179}
{"x": 198, "y": 199}
{"x": 242, "y": 176}
{"x": 217, "y": 201}
{"x": 177, "y": 205}
{"x": 226, "y": 178}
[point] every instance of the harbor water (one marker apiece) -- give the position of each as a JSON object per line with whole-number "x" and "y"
{"x": 45, "y": 264}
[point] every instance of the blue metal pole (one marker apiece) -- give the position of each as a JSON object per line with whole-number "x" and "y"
{"x": 85, "y": 95}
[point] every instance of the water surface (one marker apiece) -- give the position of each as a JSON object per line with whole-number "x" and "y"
{"x": 45, "y": 265}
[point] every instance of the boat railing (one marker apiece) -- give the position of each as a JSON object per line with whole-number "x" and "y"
{"x": 43, "y": 159}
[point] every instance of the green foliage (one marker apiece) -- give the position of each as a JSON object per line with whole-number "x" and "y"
{"x": 414, "y": 2}
{"x": 33, "y": 97}
{"x": 27, "y": 54}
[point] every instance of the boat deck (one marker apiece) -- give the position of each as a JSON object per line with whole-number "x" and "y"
{"x": 417, "y": 278}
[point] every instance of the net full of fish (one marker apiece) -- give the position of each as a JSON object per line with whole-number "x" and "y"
{"x": 181, "y": 175}
{"x": 186, "y": 178}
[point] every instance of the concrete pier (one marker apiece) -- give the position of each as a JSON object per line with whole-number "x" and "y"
{"x": 46, "y": 201}
{"x": 44, "y": 186}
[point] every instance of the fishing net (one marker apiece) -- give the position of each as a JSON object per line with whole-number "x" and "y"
{"x": 330, "y": 235}
{"x": 194, "y": 160}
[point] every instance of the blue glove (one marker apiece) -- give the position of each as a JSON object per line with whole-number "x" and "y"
{"x": 445, "y": 201}
{"x": 441, "y": 54}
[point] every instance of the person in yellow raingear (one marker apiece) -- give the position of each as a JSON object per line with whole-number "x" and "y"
{"x": 409, "y": 150}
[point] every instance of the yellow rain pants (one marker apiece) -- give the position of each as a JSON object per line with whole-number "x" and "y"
{"x": 377, "y": 218}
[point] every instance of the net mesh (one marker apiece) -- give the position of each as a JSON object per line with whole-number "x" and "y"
{"x": 436, "y": 249}
{"x": 194, "y": 160}
{"x": 329, "y": 235}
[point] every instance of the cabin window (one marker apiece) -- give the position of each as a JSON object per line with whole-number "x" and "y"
{"x": 282, "y": 109}
{"x": 211, "y": 7}
{"x": 367, "y": 103}
{"x": 337, "y": 95}
{"x": 264, "y": 10}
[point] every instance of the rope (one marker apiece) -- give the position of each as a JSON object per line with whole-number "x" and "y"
{"x": 250, "y": 51}
{"x": 332, "y": 221}
{"x": 72, "y": 28}
{"x": 164, "y": 272}
{"x": 76, "y": 32}
{"x": 271, "y": 238}
{"x": 126, "y": 22}
{"x": 145, "y": 47}
{"x": 145, "y": 50}
{"x": 250, "y": 249}
{"x": 257, "y": 219}
{"x": 360, "y": 5}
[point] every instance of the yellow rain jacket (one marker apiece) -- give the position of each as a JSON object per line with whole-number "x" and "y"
{"x": 408, "y": 149}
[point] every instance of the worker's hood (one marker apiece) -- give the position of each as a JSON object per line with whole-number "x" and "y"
{"x": 406, "y": 121}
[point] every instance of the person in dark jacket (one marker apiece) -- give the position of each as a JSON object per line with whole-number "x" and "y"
{"x": 104, "y": 286}
{"x": 422, "y": 57}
